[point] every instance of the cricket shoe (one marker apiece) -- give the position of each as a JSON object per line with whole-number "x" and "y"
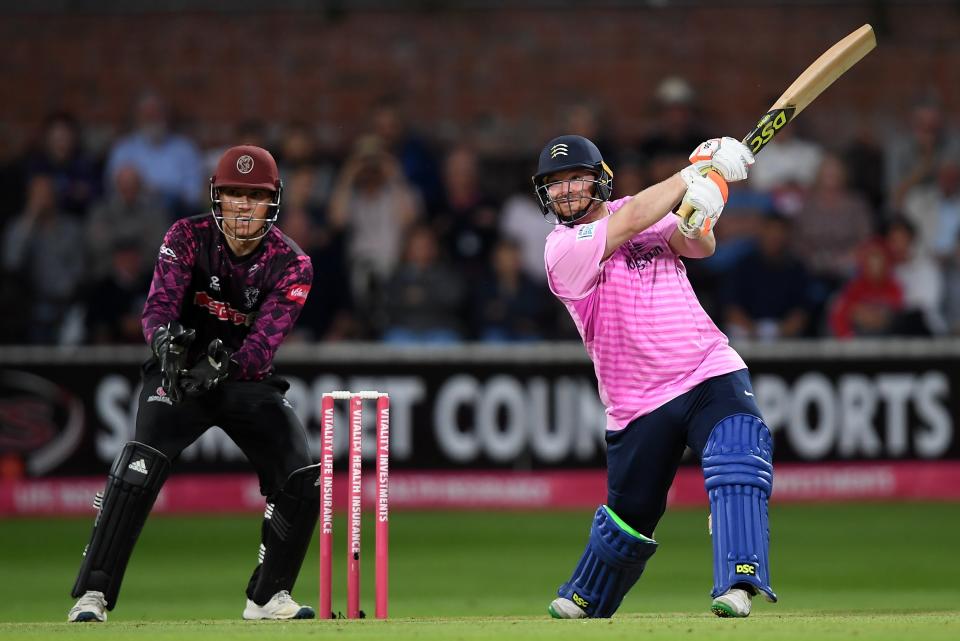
{"x": 562, "y": 608}
{"x": 732, "y": 603}
{"x": 280, "y": 606}
{"x": 91, "y": 607}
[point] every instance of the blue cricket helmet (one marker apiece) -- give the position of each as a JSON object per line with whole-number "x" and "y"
{"x": 571, "y": 152}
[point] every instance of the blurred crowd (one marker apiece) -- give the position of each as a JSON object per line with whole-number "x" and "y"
{"x": 414, "y": 240}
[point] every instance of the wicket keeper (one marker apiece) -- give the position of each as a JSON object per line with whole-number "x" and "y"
{"x": 227, "y": 288}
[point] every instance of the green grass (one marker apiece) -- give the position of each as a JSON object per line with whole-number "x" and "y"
{"x": 873, "y": 571}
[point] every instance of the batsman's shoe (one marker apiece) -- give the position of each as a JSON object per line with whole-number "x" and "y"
{"x": 91, "y": 607}
{"x": 732, "y": 603}
{"x": 565, "y": 609}
{"x": 281, "y": 606}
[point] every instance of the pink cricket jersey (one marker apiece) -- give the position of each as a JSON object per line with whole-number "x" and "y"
{"x": 644, "y": 329}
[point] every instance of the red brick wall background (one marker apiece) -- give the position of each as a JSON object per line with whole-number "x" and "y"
{"x": 495, "y": 75}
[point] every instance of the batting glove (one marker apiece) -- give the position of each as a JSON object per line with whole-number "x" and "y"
{"x": 706, "y": 199}
{"x": 729, "y": 157}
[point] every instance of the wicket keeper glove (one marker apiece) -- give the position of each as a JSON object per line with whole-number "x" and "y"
{"x": 212, "y": 368}
{"x": 705, "y": 197}
{"x": 170, "y": 344}
{"x": 728, "y": 156}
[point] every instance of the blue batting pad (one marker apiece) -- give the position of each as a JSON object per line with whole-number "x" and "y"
{"x": 738, "y": 470}
{"x": 613, "y": 561}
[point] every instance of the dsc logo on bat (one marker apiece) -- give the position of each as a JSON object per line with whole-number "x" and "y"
{"x": 768, "y": 126}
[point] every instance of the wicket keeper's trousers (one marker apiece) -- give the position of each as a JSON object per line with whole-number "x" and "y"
{"x": 254, "y": 414}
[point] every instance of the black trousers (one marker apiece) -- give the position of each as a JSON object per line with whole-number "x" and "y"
{"x": 254, "y": 414}
{"x": 642, "y": 458}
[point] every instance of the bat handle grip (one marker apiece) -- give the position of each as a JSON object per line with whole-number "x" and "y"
{"x": 684, "y": 210}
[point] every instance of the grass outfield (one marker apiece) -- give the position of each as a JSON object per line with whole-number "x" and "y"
{"x": 842, "y": 572}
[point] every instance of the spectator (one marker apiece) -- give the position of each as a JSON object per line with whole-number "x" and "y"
{"x": 789, "y": 162}
{"x": 115, "y": 301}
{"x": 951, "y": 279}
{"x": 418, "y": 162}
{"x": 251, "y": 131}
{"x": 743, "y": 216}
{"x": 584, "y": 119}
{"x": 676, "y": 130}
{"x": 300, "y": 161}
{"x": 864, "y": 160}
{"x": 870, "y": 304}
{"x": 12, "y": 185}
{"x": 831, "y": 226}
{"x": 934, "y": 209}
{"x": 44, "y": 247}
{"x": 466, "y": 222}
{"x": 507, "y": 305}
{"x": 423, "y": 301}
{"x": 374, "y": 205}
{"x": 327, "y": 314}
{"x": 169, "y": 163}
{"x": 128, "y": 213}
{"x": 75, "y": 174}
{"x": 522, "y": 222}
{"x": 919, "y": 279}
{"x": 630, "y": 175}
{"x": 767, "y": 290}
{"x": 913, "y": 156}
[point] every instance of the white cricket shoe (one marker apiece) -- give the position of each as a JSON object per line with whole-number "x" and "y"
{"x": 733, "y": 603}
{"x": 280, "y": 606}
{"x": 92, "y": 606}
{"x": 562, "y": 608}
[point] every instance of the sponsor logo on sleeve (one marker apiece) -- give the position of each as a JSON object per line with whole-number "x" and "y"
{"x": 585, "y": 232}
{"x": 298, "y": 293}
{"x": 167, "y": 253}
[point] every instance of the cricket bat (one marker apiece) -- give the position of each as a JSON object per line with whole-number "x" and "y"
{"x": 814, "y": 80}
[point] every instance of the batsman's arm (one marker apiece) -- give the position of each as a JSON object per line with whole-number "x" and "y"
{"x": 643, "y": 210}
{"x": 702, "y": 247}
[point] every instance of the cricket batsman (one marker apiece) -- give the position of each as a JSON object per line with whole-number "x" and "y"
{"x": 667, "y": 376}
{"x": 227, "y": 288}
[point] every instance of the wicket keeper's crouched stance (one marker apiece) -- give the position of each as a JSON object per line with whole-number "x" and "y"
{"x": 667, "y": 375}
{"x": 227, "y": 289}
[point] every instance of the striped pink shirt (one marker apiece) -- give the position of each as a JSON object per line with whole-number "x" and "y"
{"x": 644, "y": 329}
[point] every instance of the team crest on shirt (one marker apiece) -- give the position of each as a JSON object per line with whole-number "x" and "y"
{"x": 250, "y": 296}
{"x": 585, "y": 232}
